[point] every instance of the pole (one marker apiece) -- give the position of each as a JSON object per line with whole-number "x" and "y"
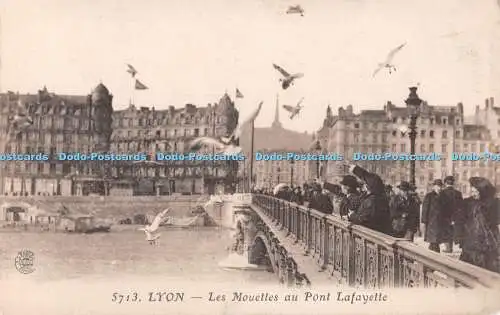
{"x": 413, "y": 136}
{"x": 213, "y": 147}
{"x": 252, "y": 132}
{"x": 291, "y": 172}
{"x": 132, "y": 91}
{"x": 317, "y": 169}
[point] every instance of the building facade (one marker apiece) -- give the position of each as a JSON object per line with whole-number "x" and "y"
{"x": 149, "y": 130}
{"x": 440, "y": 129}
{"x": 85, "y": 124}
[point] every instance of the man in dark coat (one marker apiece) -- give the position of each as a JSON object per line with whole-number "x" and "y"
{"x": 373, "y": 211}
{"x": 320, "y": 200}
{"x": 432, "y": 216}
{"x": 404, "y": 212}
{"x": 352, "y": 198}
{"x": 452, "y": 203}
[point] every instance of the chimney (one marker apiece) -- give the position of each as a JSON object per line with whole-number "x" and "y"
{"x": 492, "y": 102}
{"x": 487, "y": 103}
{"x": 477, "y": 108}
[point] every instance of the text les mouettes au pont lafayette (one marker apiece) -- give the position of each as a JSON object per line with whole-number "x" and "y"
{"x": 357, "y": 156}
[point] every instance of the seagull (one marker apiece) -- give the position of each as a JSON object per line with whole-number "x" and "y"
{"x": 388, "y": 60}
{"x": 131, "y": 70}
{"x": 297, "y": 9}
{"x": 294, "y": 110}
{"x": 237, "y": 131}
{"x": 21, "y": 120}
{"x": 220, "y": 146}
{"x": 150, "y": 230}
{"x": 288, "y": 78}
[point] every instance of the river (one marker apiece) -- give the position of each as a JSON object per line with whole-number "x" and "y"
{"x": 188, "y": 254}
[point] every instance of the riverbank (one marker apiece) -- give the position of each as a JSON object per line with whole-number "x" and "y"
{"x": 112, "y": 207}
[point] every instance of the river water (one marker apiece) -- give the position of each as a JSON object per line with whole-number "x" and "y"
{"x": 184, "y": 254}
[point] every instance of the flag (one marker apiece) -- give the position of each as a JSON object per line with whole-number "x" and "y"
{"x": 239, "y": 94}
{"x": 139, "y": 85}
{"x": 131, "y": 70}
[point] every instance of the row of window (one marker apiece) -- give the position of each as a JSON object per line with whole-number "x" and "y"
{"x": 162, "y": 133}
{"x": 403, "y": 120}
{"x": 82, "y": 169}
{"x": 143, "y": 122}
{"x": 423, "y": 134}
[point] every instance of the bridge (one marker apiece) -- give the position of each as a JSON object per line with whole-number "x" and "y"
{"x": 306, "y": 247}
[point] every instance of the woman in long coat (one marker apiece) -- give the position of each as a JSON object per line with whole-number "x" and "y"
{"x": 480, "y": 220}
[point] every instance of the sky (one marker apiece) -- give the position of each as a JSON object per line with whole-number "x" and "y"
{"x": 192, "y": 51}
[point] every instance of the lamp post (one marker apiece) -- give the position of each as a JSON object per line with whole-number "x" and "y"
{"x": 496, "y": 149}
{"x": 413, "y": 103}
{"x": 292, "y": 162}
{"x": 317, "y": 148}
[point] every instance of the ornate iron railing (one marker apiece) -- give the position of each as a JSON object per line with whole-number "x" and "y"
{"x": 360, "y": 257}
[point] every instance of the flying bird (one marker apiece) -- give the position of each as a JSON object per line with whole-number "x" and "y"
{"x": 288, "y": 78}
{"x": 150, "y": 230}
{"x": 294, "y": 111}
{"x": 220, "y": 146}
{"x": 237, "y": 131}
{"x": 21, "y": 120}
{"x": 388, "y": 61}
{"x": 131, "y": 70}
{"x": 297, "y": 9}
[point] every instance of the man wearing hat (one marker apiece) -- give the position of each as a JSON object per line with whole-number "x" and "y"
{"x": 320, "y": 200}
{"x": 352, "y": 198}
{"x": 373, "y": 212}
{"x": 404, "y": 212}
{"x": 452, "y": 204}
{"x": 336, "y": 196}
{"x": 432, "y": 216}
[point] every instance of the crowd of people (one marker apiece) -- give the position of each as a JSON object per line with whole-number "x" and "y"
{"x": 442, "y": 217}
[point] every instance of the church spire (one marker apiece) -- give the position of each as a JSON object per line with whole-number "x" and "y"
{"x": 276, "y": 122}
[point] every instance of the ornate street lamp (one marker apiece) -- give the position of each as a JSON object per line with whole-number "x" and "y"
{"x": 413, "y": 103}
{"x": 317, "y": 147}
{"x": 292, "y": 162}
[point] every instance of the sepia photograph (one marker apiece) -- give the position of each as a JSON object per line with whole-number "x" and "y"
{"x": 249, "y": 157}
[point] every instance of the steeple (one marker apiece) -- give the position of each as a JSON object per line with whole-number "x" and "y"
{"x": 276, "y": 122}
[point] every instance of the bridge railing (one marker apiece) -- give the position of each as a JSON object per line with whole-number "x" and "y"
{"x": 361, "y": 257}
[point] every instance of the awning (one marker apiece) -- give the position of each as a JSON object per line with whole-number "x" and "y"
{"x": 16, "y": 210}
